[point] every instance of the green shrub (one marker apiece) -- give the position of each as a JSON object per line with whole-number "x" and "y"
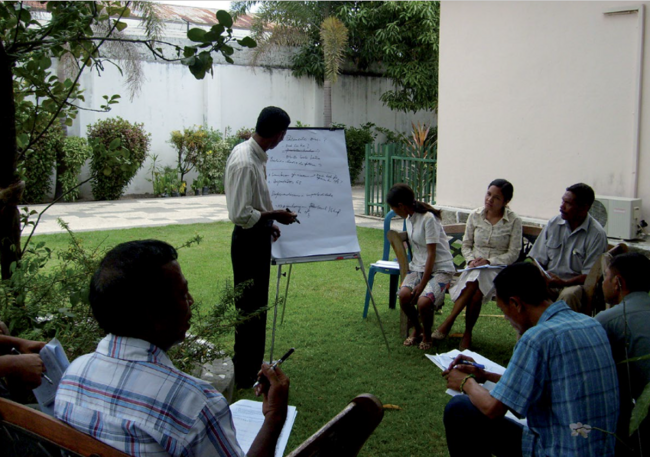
{"x": 189, "y": 144}
{"x": 356, "y": 139}
{"x": 211, "y": 162}
{"x": 119, "y": 149}
{"x": 46, "y": 299}
{"x": 38, "y": 164}
{"x": 74, "y": 153}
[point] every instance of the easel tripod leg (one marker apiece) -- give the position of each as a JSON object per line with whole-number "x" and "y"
{"x": 286, "y": 294}
{"x": 275, "y": 312}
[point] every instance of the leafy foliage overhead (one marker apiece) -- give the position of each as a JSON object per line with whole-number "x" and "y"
{"x": 401, "y": 38}
{"x": 34, "y": 94}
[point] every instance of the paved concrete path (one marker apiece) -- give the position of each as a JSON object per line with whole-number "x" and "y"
{"x": 151, "y": 212}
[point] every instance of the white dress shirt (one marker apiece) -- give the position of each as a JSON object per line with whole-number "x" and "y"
{"x": 247, "y": 194}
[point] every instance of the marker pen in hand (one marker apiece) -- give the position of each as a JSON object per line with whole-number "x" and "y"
{"x": 275, "y": 364}
{"x": 296, "y": 219}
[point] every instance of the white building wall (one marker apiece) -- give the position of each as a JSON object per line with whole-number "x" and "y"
{"x": 172, "y": 99}
{"x": 542, "y": 94}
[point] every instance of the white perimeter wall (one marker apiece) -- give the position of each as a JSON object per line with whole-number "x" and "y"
{"x": 542, "y": 94}
{"x": 171, "y": 99}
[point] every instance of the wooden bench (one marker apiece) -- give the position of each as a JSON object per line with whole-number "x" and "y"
{"x": 25, "y": 432}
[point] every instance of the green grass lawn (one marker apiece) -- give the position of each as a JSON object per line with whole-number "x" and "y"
{"x": 338, "y": 354}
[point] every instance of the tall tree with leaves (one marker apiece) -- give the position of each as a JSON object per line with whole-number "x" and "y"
{"x": 396, "y": 39}
{"x": 335, "y": 39}
{"x": 33, "y": 97}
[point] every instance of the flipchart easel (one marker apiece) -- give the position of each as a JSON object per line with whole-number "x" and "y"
{"x": 320, "y": 258}
{"x": 308, "y": 174}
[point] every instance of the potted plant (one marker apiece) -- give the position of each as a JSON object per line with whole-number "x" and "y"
{"x": 182, "y": 188}
{"x": 197, "y": 184}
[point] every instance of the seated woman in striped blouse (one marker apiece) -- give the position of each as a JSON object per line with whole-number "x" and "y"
{"x": 493, "y": 236}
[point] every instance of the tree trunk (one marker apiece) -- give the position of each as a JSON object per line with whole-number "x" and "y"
{"x": 60, "y": 165}
{"x": 11, "y": 187}
{"x": 327, "y": 103}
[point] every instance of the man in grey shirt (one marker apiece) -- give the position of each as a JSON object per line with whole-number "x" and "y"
{"x": 569, "y": 246}
{"x": 626, "y": 285}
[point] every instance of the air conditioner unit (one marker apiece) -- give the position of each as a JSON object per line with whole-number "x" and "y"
{"x": 619, "y": 216}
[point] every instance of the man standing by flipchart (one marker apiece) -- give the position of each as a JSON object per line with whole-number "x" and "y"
{"x": 251, "y": 210}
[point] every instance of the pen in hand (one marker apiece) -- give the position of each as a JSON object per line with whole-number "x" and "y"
{"x": 275, "y": 364}
{"x": 474, "y": 364}
{"x": 43, "y": 375}
{"x": 296, "y": 218}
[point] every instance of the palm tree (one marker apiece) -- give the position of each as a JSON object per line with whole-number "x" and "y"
{"x": 334, "y": 35}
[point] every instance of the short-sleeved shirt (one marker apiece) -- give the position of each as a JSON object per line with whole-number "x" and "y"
{"x": 569, "y": 254}
{"x": 247, "y": 193}
{"x": 500, "y": 243}
{"x": 423, "y": 229}
{"x": 562, "y": 373}
{"x": 129, "y": 395}
{"x": 635, "y": 312}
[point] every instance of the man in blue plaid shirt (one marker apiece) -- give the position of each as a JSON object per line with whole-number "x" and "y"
{"x": 561, "y": 377}
{"x": 128, "y": 393}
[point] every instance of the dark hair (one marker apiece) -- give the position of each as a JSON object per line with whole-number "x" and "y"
{"x": 401, "y": 193}
{"x": 584, "y": 194}
{"x": 125, "y": 291}
{"x": 506, "y": 188}
{"x": 635, "y": 270}
{"x": 271, "y": 121}
{"x": 523, "y": 280}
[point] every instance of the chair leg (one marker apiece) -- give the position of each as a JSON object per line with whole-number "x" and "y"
{"x": 394, "y": 282}
{"x": 403, "y": 324}
{"x": 371, "y": 280}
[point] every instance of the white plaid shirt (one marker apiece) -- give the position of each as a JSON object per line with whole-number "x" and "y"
{"x": 129, "y": 395}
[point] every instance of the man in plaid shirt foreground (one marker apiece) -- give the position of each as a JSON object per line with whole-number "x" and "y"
{"x": 128, "y": 393}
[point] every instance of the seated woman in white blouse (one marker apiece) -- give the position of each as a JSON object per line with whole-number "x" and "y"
{"x": 431, "y": 268}
{"x": 493, "y": 236}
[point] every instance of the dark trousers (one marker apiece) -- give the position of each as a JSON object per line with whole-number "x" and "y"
{"x": 251, "y": 261}
{"x": 472, "y": 433}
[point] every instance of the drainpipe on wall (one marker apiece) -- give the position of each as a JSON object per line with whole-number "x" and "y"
{"x": 640, "y": 10}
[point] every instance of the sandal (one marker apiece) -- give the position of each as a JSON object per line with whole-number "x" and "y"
{"x": 438, "y": 335}
{"x": 412, "y": 340}
{"x": 426, "y": 345}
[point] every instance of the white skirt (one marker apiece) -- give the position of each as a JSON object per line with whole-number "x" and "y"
{"x": 485, "y": 280}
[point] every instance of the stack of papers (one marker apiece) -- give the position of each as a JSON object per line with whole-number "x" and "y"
{"x": 248, "y": 418}
{"x": 484, "y": 267}
{"x": 386, "y": 264}
{"x": 443, "y": 361}
{"x": 56, "y": 362}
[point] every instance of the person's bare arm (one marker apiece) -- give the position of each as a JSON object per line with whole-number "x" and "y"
{"x": 555, "y": 281}
{"x": 23, "y": 346}
{"x": 27, "y": 368}
{"x": 478, "y": 395}
{"x": 428, "y": 271}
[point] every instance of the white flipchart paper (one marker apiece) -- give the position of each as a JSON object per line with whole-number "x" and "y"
{"x": 308, "y": 174}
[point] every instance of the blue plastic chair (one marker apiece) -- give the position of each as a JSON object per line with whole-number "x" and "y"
{"x": 392, "y": 270}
